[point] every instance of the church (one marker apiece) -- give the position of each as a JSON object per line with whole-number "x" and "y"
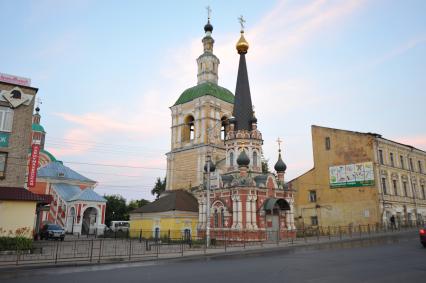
{"x": 215, "y": 158}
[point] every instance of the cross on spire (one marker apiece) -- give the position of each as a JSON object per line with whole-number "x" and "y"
{"x": 209, "y": 12}
{"x": 242, "y": 22}
{"x": 279, "y": 141}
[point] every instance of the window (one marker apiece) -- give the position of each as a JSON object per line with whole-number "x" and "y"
{"x": 381, "y": 156}
{"x": 327, "y": 143}
{"x": 404, "y": 185}
{"x": 6, "y": 119}
{"x": 224, "y": 128}
{"x": 157, "y": 233}
{"x": 401, "y": 159}
{"x": 16, "y": 94}
{"x": 414, "y": 190}
{"x": 3, "y": 158}
{"x": 231, "y": 159}
{"x": 420, "y": 166}
{"x": 395, "y": 188}
{"x": 314, "y": 220}
{"x": 222, "y": 217}
{"x": 391, "y": 159}
{"x": 188, "y": 131}
{"x": 216, "y": 219}
{"x": 411, "y": 164}
{"x": 255, "y": 159}
{"x": 423, "y": 192}
{"x": 384, "y": 186}
{"x": 312, "y": 196}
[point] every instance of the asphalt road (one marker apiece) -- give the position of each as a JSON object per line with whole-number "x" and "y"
{"x": 390, "y": 259}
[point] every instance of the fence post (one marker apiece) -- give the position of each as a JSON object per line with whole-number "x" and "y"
{"x": 100, "y": 250}
{"x": 304, "y": 235}
{"x": 56, "y": 254}
{"x": 91, "y": 251}
{"x": 17, "y": 255}
{"x": 140, "y": 236}
{"x": 130, "y": 248}
{"x": 225, "y": 240}
{"x": 278, "y": 237}
{"x": 244, "y": 239}
{"x": 318, "y": 234}
{"x": 181, "y": 246}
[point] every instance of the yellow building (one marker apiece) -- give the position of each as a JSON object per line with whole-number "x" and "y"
{"x": 174, "y": 215}
{"x": 360, "y": 178}
{"x": 18, "y": 211}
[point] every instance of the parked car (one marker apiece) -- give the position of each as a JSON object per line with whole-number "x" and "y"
{"x": 119, "y": 226}
{"x": 52, "y": 231}
{"x": 422, "y": 234}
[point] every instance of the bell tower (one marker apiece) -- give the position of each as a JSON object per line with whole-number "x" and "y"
{"x": 199, "y": 122}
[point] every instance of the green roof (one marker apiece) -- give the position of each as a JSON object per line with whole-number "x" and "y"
{"x": 52, "y": 158}
{"x": 205, "y": 89}
{"x": 38, "y": 128}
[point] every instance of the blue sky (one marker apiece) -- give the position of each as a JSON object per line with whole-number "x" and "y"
{"x": 107, "y": 71}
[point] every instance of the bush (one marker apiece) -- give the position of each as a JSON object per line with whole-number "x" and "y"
{"x": 15, "y": 243}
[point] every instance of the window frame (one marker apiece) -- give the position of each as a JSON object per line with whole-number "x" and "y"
{"x": 3, "y": 172}
{"x": 327, "y": 143}
{"x": 313, "y": 196}
{"x": 6, "y": 119}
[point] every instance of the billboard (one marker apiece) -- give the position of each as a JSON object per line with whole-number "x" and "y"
{"x": 352, "y": 175}
{"x": 15, "y": 79}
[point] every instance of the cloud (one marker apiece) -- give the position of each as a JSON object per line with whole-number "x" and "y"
{"x": 418, "y": 141}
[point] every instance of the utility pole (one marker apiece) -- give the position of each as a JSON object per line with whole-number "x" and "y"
{"x": 208, "y": 160}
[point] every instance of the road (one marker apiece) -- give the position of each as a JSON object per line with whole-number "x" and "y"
{"x": 389, "y": 259}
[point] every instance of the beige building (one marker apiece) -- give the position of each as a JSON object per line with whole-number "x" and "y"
{"x": 360, "y": 178}
{"x": 199, "y": 120}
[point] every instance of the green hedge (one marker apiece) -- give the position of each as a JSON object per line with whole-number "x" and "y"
{"x": 15, "y": 243}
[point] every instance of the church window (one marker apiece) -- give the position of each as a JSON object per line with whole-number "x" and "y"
{"x": 222, "y": 214}
{"x": 224, "y": 128}
{"x": 216, "y": 219}
{"x": 188, "y": 133}
{"x": 6, "y": 119}
{"x": 255, "y": 158}
{"x": 231, "y": 159}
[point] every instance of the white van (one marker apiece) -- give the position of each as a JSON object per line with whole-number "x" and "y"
{"x": 120, "y": 226}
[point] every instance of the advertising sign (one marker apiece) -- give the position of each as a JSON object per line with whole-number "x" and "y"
{"x": 15, "y": 80}
{"x": 32, "y": 170}
{"x": 4, "y": 139}
{"x": 352, "y": 175}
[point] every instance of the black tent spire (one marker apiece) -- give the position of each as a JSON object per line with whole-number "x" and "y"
{"x": 243, "y": 108}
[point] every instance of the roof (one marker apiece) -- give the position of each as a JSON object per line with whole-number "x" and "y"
{"x": 57, "y": 170}
{"x": 21, "y": 194}
{"x": 52, "y": 158}
{"x": 37, "y": 128}
{"x": 171, "y": 200}
{"x": 203, "y": 89}
{"x": 74, "y": 193}
{"x": 243, "y": 108}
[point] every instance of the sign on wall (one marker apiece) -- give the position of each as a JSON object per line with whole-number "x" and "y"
{"x": 352, "y": 175}
{"x": 15, "y": 79}
{"x": 32, "y": 170}
{"x": 4, "y": 139}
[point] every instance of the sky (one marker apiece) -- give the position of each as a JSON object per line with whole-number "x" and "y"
{"x": 108, "y": 71}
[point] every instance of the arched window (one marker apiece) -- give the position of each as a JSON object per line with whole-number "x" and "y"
{"x": 224, "y": 128}
{"x": 188, "y": 131}
{"x": 255, "y": 159}
{"x": 231, "y": 159}
{"x": 216, "y": 219}
{"x": 222, "y": 216}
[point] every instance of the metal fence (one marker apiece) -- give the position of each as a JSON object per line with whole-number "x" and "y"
{"x": 136, "y": 245}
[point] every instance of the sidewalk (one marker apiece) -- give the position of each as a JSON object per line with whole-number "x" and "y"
{"x": 172, "y": 252}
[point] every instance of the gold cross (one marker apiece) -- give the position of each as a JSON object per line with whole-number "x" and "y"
{"x": 242, "y": 22}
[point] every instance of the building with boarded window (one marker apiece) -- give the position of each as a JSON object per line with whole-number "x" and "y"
{"x": 360, "y": 178}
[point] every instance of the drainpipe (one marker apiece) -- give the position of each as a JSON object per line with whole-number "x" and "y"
{"x": 411, "y": 183}
{"x": 376, "y": 152}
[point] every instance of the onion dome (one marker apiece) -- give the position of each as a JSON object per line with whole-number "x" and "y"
{"x": 37, "y": 109}
{"x": 280, "y": 165}
{"x": 212, "y": 167}
{"x": 242, "y": 44}
{"x": 243, "y": 159}
{"x": 208, "y": 27}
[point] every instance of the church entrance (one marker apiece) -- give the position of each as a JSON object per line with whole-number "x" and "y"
{"x": 89, "y": 221}
{"x": 273, "y": 208}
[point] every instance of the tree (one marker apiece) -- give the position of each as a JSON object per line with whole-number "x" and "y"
{"x": 265, "y": 166}
{"x": 136, "y": 204}
{"x": 159, "y": 187}
{"x": 116, "y": 209}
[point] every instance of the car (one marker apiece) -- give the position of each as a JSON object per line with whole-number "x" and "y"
{"x": 52, "y": 231}
{"x": 120, "y": 226}
{"x": 422, "y": 234}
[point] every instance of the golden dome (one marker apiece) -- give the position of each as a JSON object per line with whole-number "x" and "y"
{"x": 242, "y": 44}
